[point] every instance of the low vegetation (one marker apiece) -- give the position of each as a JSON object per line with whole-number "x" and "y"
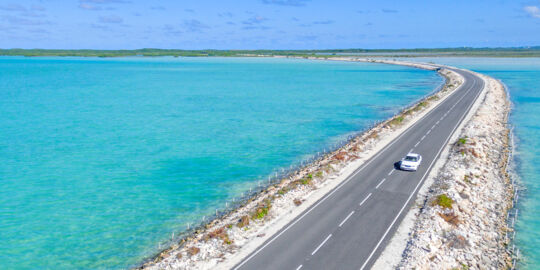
{"x": 220, "y": 234}
{"x": 420, "y": 52}
{"x": 443, "y": 201}
{"x": 262, "y": 209}
{"x": 244, "y": 221}
{"x": 192, "y": 251}
{"x": 450, "y": 218}
{"x": 396, "y": 121}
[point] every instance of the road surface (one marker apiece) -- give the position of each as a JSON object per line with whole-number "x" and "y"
{"x": 350, "y": 226}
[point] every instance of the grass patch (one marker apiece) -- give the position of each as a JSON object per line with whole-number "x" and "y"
{"x": 306, "y": 181}
{"x": 319, "y": 174}
{"x": 262, "y": 210}
{"x": 283, "y": 191}
{"x": 221, "y": 234}
{"x": 462, "y": 141}
{"x": 443, "y": 201}
{"x": 396, "y": 121}
{"x": 420, "y": 106}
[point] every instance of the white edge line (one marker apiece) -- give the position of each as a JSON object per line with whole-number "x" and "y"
{"x": 298, "y": 268}
{"x": 343, "y": 222}
{"x": 384, "y": 179}
{"x": 421, "y": 181}
{"x": 317, "y": 249}
{"x": 363, "y": 201}
{"x": 350, "y": 177}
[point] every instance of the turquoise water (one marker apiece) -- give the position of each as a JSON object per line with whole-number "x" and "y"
{"x": 101, "y": 159}
{"x": 522, "y": 77}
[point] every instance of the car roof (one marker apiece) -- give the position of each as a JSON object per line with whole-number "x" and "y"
{"x": 413, "y": 155}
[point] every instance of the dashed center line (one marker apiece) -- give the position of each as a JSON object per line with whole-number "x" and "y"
{"x": 343, "y": 222}
{"x": 438, "y": 122}
{"x": 369, "y": 195}
{"x": 298, "y": 268}
{"x": 417, "y": 144}
{"x": 429, "y": 131}
{"x": 423, "y": 137}
{"x": 317, "y": 249}
{"x": 382, "y": 181}
{"x": 392, "y": 171}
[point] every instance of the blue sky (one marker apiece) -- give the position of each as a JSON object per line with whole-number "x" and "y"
{"x": 267, "y": 24}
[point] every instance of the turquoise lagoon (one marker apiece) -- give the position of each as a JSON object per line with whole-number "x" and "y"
{"x": 102, "y": 159}
{"x": 522, "y": 78}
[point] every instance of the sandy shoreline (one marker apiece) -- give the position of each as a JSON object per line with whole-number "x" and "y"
{"x": 224, "y": 242}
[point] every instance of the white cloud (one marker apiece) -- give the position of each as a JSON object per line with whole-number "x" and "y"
{"x": 533, "y": 11}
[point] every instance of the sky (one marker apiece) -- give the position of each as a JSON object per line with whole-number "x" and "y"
{"x": 267, "y": 24}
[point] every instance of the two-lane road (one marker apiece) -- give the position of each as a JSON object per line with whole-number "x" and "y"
{"x": 350, "y": 226}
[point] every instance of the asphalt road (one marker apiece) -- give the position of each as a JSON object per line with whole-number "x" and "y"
{"x": 350, "y": 226}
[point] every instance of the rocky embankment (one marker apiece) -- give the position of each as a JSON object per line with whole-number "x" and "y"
{"x": 224, "y": 242}
{"x": 460, "y": 221}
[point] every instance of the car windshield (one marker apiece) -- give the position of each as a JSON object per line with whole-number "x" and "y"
{"x": 410, "y": 158}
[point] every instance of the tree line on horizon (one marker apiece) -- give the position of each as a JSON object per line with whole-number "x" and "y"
{"x": 462, "y": 51}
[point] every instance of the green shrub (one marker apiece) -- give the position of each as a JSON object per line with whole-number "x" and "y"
{"x": 443, "y": 201}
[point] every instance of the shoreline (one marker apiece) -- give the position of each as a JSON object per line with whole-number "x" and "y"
{"x": 225, "y": 241}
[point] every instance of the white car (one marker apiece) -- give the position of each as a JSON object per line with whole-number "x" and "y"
{"x": 410, "y": 162}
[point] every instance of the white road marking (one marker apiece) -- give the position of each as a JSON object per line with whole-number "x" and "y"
{"x": 417, "y": 144}
{"x": 423, "y": 137}
{"x": 298, "y": 268}
{"x": 382, "y": 181}
{"x": 441, "y": 118}
{"x": 340, "y": 224}
{"x": 317, "y": 249}
{"x": 363, "y": 201}
{"x": 392, "y": 171}
{"x": 429, "y": 131}
{"x": 438, "y": 122}
{"x": 421, "y": 180}
{"x": 410, "y": 151}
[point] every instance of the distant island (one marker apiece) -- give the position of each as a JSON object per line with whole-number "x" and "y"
{"x": 454, "y": 52}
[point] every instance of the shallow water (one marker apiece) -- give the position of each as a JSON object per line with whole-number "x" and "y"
{"x": 522, "y": 77}
{"x": 101, "y": 159}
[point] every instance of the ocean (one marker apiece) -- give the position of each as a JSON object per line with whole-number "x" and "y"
{"x": 103, "y": 159}
{"x": 522, "y": 78}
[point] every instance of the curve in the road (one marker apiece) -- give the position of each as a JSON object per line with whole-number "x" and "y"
{"x": 348, "y": 227}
